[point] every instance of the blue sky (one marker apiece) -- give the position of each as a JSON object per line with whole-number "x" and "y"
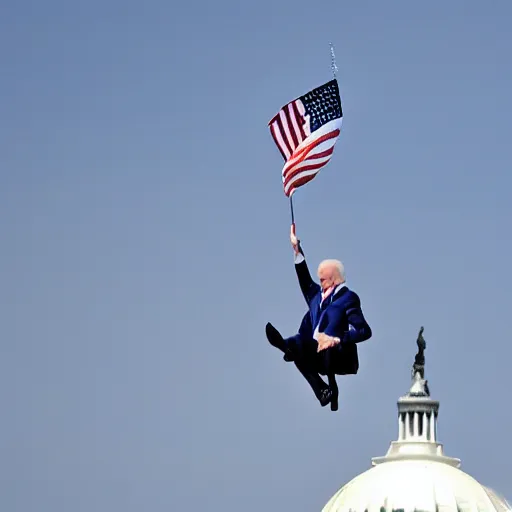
{"x": 145, "y": 245}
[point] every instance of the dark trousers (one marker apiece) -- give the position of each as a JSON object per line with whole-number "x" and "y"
{"x": 311, "y": 364}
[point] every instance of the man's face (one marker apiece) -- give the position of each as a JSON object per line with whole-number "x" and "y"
{"x": 327, "y": 276}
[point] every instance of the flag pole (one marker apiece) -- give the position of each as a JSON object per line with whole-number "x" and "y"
{"x": 291, "y": 210}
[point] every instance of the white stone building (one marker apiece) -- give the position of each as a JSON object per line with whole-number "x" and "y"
{"x": 415, "y": 475}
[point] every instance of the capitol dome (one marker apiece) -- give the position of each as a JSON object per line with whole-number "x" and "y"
{"x": 415, "y": 474}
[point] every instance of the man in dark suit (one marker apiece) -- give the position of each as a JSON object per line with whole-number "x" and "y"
{"x": 329, "y": 331}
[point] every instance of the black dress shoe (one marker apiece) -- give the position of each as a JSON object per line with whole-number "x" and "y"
{"x": 334, "y": 390}
{"x": 274, "y": 337}
{"x": 276, "y": 340}
{"x": 334, "y": 402}
{"x": 325, "y": 397}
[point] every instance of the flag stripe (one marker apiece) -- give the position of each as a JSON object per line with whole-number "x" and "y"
{"x": 303, "y": 168}
{"x": 296, "y": 122}
{"x": 291, "y": 127}
{"x": 284, "y": 133}
{"x": 327, "y": 152}
{"x": 274, "y": 136}
{"x": 299, "y": 181}
{"x": 314, "y": 142}
{"x": 315, "y": 161}
{"x": 298, "y": 155}
{"x": 278, "y": 137}
{"x": 299, "y": 120}
{"x": 285, "y": 130}
{"x": 319, "y": 152}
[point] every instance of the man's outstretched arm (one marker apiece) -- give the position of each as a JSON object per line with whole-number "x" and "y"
{"x": 308, "y": 287}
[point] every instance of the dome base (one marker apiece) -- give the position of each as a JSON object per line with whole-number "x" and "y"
{"x": 416, "y": 451}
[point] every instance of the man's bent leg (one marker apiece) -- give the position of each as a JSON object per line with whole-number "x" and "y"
{"x": 305, "y": 356}
{"x": 319, "y": 387}
{"x": 303, "y": 352}
{"x": 328, "y": 367}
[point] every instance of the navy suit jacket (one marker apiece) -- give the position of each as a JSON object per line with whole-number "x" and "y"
{"x": 340, "y": 315}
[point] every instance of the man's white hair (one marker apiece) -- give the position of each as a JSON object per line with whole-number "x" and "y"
{"x": 336, "y": 264}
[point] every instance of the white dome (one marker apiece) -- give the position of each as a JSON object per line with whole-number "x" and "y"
{"x": 413, "y": 485}
{"x": 415, "y": 475}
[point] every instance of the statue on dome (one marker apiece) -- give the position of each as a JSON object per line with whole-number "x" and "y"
{"x": 420, "y": 385}
{"x": 419, "y": 360}
{"x": 326, "y": 342}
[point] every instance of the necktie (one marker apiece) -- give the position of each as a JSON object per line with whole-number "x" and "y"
{"x": 327, "y": 293}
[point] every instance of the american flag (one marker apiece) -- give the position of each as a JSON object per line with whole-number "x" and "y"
{"x": 305, "y": 131}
